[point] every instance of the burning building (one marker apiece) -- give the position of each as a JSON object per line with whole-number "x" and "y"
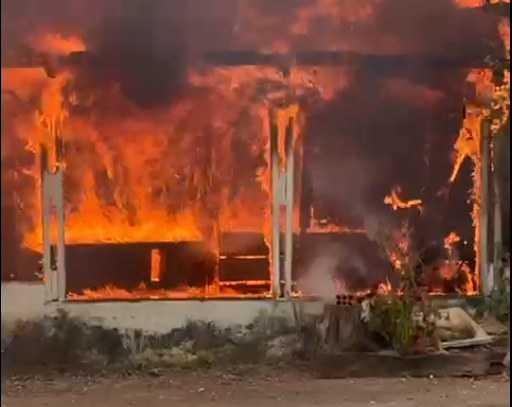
{"x": 170, "y": 149}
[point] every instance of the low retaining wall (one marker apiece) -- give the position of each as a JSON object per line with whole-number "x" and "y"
{"x": 175, "y": 333}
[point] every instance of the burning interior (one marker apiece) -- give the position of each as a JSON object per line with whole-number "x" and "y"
{"x": 168, "y": 137}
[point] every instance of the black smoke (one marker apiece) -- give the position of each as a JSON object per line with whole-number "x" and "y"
{"x": 148, "y": 45}
{"x": 436, "y": 27}
{"x": 144, "y": 52}
{"x": 144, "y": 46}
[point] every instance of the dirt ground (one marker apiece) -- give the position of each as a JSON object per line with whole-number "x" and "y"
{"x": 249, "y": 389}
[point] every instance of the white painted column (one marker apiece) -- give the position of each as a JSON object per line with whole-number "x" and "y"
{"x": 276, "y": 191}
{"x": 58, "y": 195}
{"x": 46, "y": 213}
{"x": 485, "y": 206}
{"x": 289, "y": 204}
{"x": 52, "y": 201}
{"x": 498, "y": 254}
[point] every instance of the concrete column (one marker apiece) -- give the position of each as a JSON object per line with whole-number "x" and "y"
{"x": 276, "y": 191}
{"x": 58, "y": 202}
{"x": 46, "y": 211}
{"x": 485, "y": 206}
{"x": 289, "y": 202}
{"x": 498, "y": 254}
{"x": 52, "y": 202}
{"x": 61, "y": 241}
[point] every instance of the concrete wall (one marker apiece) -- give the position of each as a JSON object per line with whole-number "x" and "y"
{"x": 22, "y": 301}
{"x": 174, "y": 331}
{"x": 25, "y": 301}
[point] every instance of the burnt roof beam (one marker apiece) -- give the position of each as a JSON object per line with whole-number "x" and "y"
{"x": 383, "y": 63}
{"x": 347, "y": 59}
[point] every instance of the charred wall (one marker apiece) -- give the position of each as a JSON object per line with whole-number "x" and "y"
{"x": 395, "y": 126}
{"x": 368, "y": 141}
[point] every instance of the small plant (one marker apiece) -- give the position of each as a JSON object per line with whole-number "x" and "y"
{"x": 497, "y": 303}
{"x": 404, "y": 319}
{"x": 392, "y": 319}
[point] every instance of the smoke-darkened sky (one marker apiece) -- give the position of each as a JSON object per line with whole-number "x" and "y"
{"x": 153, "y": 41}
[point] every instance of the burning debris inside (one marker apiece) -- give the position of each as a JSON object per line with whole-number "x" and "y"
{"x": 151, "y": 151}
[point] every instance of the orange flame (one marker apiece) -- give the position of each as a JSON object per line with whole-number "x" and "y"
{"x": 396, "y": 202}
{"x": 156, "y": 267}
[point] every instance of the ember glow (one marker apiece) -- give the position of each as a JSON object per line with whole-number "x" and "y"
{"x": 192, "y": 165}
{"x": 156, "y": 265}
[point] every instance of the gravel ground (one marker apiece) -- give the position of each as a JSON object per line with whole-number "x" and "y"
{"x": 250, "y": 389}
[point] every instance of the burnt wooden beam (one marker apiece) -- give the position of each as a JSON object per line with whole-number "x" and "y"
{"x": 347, "y": 59}
{"x": 394, "y": 63}
{"x": 382, "y": 63}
